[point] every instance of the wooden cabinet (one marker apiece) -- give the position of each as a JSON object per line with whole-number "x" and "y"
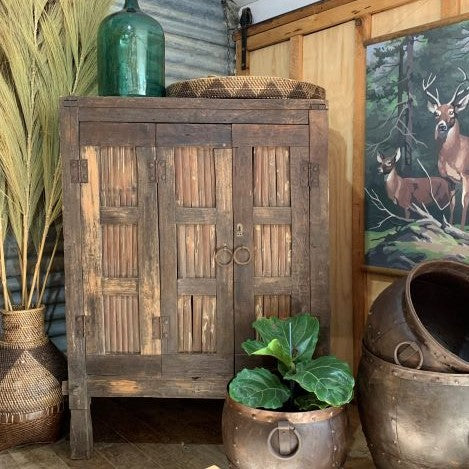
{"x": 184, "y": 220}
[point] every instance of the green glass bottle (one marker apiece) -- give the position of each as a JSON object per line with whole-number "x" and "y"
{"x": 131, "y": 54}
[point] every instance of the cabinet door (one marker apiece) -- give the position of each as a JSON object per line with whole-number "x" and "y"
{"x": 196, "y": 228}
{"x": 120, "y": 240}
{"x": 271, "y": 217}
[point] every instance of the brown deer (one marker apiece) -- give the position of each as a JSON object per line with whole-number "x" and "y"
{"x": 407, "y": 191}
{"x": 453, "y": 148}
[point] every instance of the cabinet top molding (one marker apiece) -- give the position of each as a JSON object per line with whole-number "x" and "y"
{"x": 193, "y": 103}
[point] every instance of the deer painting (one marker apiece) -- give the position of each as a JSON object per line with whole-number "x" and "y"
{"x": 407, "y": 191}
{"x": 453, "y": 147}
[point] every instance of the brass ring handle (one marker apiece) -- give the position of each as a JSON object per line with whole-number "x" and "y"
{"x": 286, "y": 449}
{"x": 223, "y": 249}
{"x": 237, "y": 251}
{"x": 414, "y": 347}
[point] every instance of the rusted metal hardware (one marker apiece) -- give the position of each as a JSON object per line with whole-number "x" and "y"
{"x": 413, "y": 419}
{"x": 227, "y": 258}
{"x": 289, "y": 441}
{"x": 422, "y": 321}
{"x": 237, "y": 258}
{"x": 245, "y": 21}
{"x": 256, "y": 439}
{"x": 79, "y": 171}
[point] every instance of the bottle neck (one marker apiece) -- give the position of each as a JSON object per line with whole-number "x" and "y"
{"x": 131, "y": 5}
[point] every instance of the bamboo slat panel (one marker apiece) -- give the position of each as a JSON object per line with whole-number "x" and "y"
{"x": 197, "y": 324}
{"x": 118, "y": 177}
{"x": 272, "y": 177}
{"x": 121, "y": 324}
{"x": 271, "y": 61}
{"x": 272, "y": 242}
{"x": 196, "y": 251}
{"x": 278, "y": 306}
{"x": 118, "y": 188}
{"x": 195, "y": 177}
{"x": 120, "y": 251}
{"x": 404, "y": 17}
{"x": 464, "y": 6}
{"x": 326, "y": 52}
{"x": 272, "y": 250}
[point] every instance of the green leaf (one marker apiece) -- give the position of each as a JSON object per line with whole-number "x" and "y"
{"x": 258, "y": 388}
{"x": 252, "y": 346}
{"x": 329, "y": 378}
{"x": 304, "y": 334}
{"x": 310, "y": 402}
{"x": 273, "y": 349}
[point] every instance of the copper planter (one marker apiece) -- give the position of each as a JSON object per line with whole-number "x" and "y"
{"x": 257, "y": 439}
{"x": 422, "y": 321}
{"x": 413, "y": 419}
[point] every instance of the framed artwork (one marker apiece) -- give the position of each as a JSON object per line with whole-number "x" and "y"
{"x": 417, "y": 148}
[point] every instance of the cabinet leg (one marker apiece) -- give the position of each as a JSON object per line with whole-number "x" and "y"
{"x": 81, "y": 433}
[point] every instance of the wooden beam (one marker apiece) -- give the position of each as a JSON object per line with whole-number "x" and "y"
{"x": 418, "y": 29}
{"x": 309, "y": 10}
{"x": 450, "y": 8}
{"x": 362, "y": 33}
{"x": 296, "y": 57}
{"x": 322, "y": 20}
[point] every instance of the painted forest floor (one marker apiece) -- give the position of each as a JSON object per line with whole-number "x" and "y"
{"x": 154, "y": 433}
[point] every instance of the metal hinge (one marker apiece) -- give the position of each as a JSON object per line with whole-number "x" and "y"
{"x": 160, "y": 327}
{"x": 313, "y": 175}
{"x": 79, "y": 171}
{"x": 157, "y": 171}
{"x": 156, "y": 326}
{"x": 80, "y": 322}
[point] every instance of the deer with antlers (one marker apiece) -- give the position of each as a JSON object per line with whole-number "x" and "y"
{"x": 453, "y": 147}
{"x": 405, "y": 192}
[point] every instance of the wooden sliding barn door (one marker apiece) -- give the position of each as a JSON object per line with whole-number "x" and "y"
{"x": 271, "y": 220}
{"x": 196, "y": 229}
{"x": 119, "y": 208}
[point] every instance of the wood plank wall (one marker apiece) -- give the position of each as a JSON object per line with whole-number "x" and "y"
{"x": 325, "y": 44}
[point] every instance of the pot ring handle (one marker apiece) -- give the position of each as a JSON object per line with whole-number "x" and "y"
{"x": 411, "y": 349}
{"x": 289, "y": 441}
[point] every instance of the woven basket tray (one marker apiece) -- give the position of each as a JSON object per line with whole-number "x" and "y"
{"x": 245, "y": 87}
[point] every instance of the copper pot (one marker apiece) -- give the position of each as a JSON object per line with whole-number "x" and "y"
{"x": 256, "y": 439}
{"x": 413, "y": 419}
{"x": 422, "y": 321}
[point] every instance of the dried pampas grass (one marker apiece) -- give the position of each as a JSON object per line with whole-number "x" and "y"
{"x": 47, "y": 50}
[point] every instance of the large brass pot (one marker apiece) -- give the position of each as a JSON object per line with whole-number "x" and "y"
{"x": 257, "y": 439}
{"x": 413, "y": 419}
{"x": 422, "y": 321}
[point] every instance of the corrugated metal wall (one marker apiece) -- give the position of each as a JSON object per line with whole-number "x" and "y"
{"x": 196, "y": 45}
{"x": 196, "y": 37}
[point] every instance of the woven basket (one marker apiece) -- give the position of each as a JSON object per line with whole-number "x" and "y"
{"x": 245, "y": 87}
{"x": 31, "y": 375}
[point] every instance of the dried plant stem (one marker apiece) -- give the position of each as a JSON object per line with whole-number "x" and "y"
{"x": 6, "y": 294}
{"x": 37, "y": 267}
{"x": 48, "y": 51}
{"x": 49, "y": 266}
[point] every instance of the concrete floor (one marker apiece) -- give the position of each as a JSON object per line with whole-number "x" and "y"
{"x": 154, "y": 433}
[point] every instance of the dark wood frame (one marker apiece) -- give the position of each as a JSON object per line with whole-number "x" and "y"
{"x": 239, "y": 125}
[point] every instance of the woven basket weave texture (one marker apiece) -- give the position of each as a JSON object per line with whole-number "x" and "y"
{"x": 31, "y": 373}
{"x": 245, "y": 87}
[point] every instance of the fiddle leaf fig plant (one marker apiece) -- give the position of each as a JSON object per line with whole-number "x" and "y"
{"x": 307, "y": 383}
